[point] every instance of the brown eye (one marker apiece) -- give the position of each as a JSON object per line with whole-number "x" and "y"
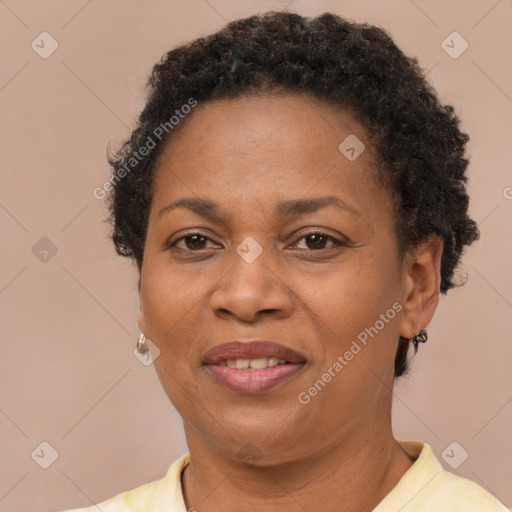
{"x": 192, "y": 242}
{"x": 317, "y": 241}
{"x": 195, "y": 241}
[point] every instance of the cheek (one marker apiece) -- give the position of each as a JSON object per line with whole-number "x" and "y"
{"x": 163, "y": 308}
{"x": 358, "y": 309}
{"x": 168, "y": 306}
{"x": 177, "y": 318}
{"x": 168, "y": 296}
{"x": 353, "y": 295}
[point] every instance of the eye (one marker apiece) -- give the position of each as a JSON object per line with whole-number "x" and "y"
{"x": 191, "y": 242}
{"x": 316, "y": 240}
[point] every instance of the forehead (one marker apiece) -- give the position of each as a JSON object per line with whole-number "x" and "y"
{"x": 265, "y": 120}
{"x": 263, "y": 146}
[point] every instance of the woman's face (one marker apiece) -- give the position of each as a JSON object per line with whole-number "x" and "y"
{"x": 321, "y": 278}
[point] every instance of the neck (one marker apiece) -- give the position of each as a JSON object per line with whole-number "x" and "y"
{"x": 357, "y": 474}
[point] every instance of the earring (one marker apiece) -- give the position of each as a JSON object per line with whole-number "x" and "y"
{"x": 419, "y": 337}
{"x": 141, "y": 344}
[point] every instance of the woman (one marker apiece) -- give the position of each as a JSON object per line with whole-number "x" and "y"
{"x": 294, "y": 199}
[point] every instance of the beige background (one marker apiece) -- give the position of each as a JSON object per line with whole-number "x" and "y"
{"x": 68, "y": 325}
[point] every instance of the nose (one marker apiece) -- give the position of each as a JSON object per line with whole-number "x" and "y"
{"x": 250, "y": 290}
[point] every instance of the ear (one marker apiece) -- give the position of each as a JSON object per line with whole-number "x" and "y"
{"x": 422, "y": 282}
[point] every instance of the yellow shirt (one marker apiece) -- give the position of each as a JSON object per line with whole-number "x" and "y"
{"x": 425, "y": 487}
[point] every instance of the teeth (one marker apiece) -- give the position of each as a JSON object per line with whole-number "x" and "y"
{"x": 242, "y": 364}
{"x": 258, "y": 363}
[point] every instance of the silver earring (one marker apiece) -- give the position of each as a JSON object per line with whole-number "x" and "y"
{"x": 141, "y": 344}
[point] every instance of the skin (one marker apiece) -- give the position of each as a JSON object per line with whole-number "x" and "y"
{"x": 246, "y": 155}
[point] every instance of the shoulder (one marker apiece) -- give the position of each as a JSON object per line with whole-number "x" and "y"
{"x": 428, "y": 487}
{"x": 458, "y": 494}
{"x": 129, "y": 501}
{"x": 163, "y": 494}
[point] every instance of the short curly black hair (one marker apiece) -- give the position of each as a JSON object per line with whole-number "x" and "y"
{"x": 419, "y": 148}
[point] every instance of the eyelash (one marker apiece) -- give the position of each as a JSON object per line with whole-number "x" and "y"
{"x": 335, "y": 241}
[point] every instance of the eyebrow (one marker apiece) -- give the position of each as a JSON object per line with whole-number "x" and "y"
{"x": 283, "y": 209}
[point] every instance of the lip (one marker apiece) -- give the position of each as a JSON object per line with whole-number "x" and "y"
{"x": 252, "y": 381}
{"x": 251, "y": 350}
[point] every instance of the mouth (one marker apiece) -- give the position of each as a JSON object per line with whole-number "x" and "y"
{"x": 252, "y": 367}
